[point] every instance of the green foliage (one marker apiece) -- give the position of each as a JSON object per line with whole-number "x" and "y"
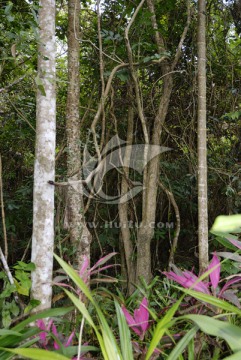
{"x": 8, "y": 306}
{"x": 21, "y": 335}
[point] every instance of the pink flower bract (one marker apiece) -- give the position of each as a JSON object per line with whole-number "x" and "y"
{"x": 139, "y": 322}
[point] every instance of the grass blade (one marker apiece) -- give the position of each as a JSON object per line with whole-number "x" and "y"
{"x": 182, "y": 344}
{"x": 161, "y": 328}
{"x": 124, "y": 331}
{"x": 37, "y": 354}
{"x": 229, "y": 332}
{"x": 219, "y": 303}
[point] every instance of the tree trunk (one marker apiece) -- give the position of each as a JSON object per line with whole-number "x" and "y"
{"x": 123, "y": 207}
{"x": 79, "y": 234}
{"x": 202, "y": 142}
{"x": 44, "y": 167}
{"x": 146, "y": 231}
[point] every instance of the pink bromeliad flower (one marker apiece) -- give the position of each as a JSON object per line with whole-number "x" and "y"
{"x": 189, "y": 280}
{"x": 139, "y": 322}
{"x": 51, "y": 328}
{"x": 215, "y": 274}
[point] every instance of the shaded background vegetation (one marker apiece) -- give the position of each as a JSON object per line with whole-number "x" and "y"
{"x": 178, "y": 167}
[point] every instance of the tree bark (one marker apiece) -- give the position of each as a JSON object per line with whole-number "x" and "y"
{"x": 44, "y": 167}
{"x": 123, "y": 207}
{"x": 146, "y": 230}
{"x": 202, "y": 141}
{"x": 79, "y": 234}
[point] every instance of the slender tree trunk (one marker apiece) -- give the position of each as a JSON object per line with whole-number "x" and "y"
{"x": 202, "y": 142}
{"x": 123, "y": 207}
{"x": 146, "y": 231}
{"x": 44, "y": 167}
{"x": 79, "y": 234}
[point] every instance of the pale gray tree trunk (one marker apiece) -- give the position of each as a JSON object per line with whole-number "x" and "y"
{"x": 79, "y": 235}
{"x": 44, "y": 167}
{"x": 202, "y": 142}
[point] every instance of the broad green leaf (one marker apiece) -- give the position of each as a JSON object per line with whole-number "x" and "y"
{"x": 227, "y": 224}
{"x": 24, "y": 266}
{"x": 37, "y": 354}
{"x": 191, "y": 350}
{"x": 107, "y": 337}
{"x": 161, "y": 327}
{"x": 124, "y": 331}
{"x": 11, "y": 340}
{"x": 182, "y": 344}
{"x": 75, "y": 277}
{"x": 112, "y": 349}
{"x": 71, "y": 351}
{"x": 223, "y": 329}
{"x": 236, "y": 356}
{"x": 219, "y": 303}
{"x": 44, "y": 314}
{"x": 222, "y": 238}
{"x": 81, "y": 307}
{"x": 9, "y": 332}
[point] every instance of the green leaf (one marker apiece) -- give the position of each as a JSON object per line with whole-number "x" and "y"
{"x": 23, "y": 266}
{"x": 22, "y": 288}
{"x": 14, "y": 309}
{"x": 9, "y": 289}
{"x": 75, "y": 277}
{"x": 227, "y": 224}
{"x": 182, "y": 344}
{"x": 161, "y": 327}
{"x": 6, "y": 318}
{"x": 8, "y": 8}
{"x": 33, "y": 303}
{"x": 81, "y": 307}
{"x": 107, "y": 341}
{"x": 37, "y": 354}
{"x": 124, "y": 331}
{"x": 9, "y": 332}
{"x": 221, "y": 304}
{"x": 236, "y": 356}
{"x": 44, "y": 314}
{"x": 12, "y": 340}
{"x": 222, "y": 239}
{"x": 223, "y": 329}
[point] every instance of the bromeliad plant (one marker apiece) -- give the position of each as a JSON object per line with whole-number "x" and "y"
{"x": 118, "y": 344}
{"x": 51, "y": 339}
{"x": 189, "y": 280}
{"x": 139, "y": 322}
{"x": 86, "y": 273}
